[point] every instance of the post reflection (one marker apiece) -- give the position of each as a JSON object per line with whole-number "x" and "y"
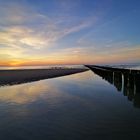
{"x": 127, "y": 83}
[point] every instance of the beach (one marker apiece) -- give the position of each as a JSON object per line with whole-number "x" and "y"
{"x": 17, "y": 76}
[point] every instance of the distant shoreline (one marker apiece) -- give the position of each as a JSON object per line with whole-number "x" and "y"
{"x": 17, "y": 76}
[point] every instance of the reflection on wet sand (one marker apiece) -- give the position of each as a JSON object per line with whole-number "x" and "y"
{"x": 52, "y": 91}
{"x": 25, "y": 93}
{"x": 32, "y": 92}
{"x": 127, "y": 83}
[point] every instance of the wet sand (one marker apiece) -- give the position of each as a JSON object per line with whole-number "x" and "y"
{"x": 11, "y": 77}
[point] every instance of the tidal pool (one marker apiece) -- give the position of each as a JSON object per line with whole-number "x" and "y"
{"x": 81, "y": 106}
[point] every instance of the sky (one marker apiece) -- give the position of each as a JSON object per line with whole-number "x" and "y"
{"x": 46, "y": 32}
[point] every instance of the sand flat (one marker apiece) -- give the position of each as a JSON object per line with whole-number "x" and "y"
{"x": 10, "y": 77}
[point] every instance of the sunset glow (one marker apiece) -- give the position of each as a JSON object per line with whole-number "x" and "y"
{"x": 46, "y": 32}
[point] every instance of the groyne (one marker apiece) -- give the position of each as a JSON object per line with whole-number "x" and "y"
{"x": 126, "y": 81}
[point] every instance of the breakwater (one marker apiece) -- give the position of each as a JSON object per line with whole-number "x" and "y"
{"x": 126, "y": 81}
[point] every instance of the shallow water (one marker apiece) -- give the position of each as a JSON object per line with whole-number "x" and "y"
{"x": 76, "y": 107}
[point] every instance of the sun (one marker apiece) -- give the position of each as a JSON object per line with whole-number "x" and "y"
{"x": 15, "y": 63}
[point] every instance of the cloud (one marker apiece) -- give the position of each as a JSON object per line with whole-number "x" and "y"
{"x": 110, "y": 51}
{"x": 30, "y": 37}
{"x": 24, "y": 31}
